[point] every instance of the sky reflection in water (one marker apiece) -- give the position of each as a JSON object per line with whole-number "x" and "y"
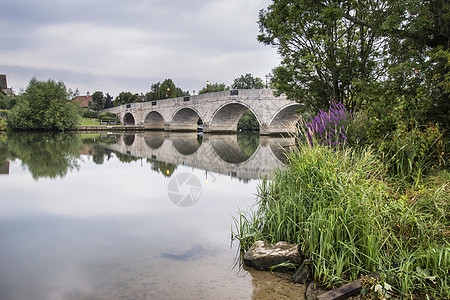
{"x": 107, "y": 229}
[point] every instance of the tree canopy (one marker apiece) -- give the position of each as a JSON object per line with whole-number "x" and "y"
{"x": 125, "y": 98}
{"x": 45, "y": 105}
{"x": 247, "y": 81}
{"x": 108, "y": 101}
{"x": 213, "y": 87}
{"x": 164, "y": 90}
{"x": 377, "y": 54}
{"x": 98, "y": 101}
{"x": 323, "y": 54}
{"x": 7, "y": 102}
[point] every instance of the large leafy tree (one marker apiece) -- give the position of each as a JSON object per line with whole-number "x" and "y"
{"x": 384, "y": 55}
{"x": 164, "y": 90}
{"x": 98, "y": 101}
{"x": 45, "y": 105}
{"x": 325, "y": 57}
{"x": 247, "y": 81}
{"x": 418, "y": 57}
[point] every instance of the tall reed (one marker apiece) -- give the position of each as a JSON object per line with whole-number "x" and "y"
{"x": 341, "y": 208}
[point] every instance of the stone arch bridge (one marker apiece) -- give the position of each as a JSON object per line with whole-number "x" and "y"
{"x": 219, "y": 112}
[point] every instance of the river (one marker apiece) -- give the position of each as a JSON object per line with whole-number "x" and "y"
{"x": 131, "y": 216}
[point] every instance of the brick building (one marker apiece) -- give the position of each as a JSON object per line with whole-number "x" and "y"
{"x": 83, "y": 101}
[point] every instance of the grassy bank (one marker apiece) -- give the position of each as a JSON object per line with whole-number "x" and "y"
{"x": 352, "y": 218}
{"x": 94, "y": 122}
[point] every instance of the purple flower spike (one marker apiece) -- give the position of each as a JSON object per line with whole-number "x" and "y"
{"x": 328, "y": 128}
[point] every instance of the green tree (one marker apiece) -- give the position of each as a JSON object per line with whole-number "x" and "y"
{"x": 45, "y": 105}
{"x": 325, "y": 57}
{"x": 385, "y": 56}
{"x": 164, "y": 90}
{"x": 108, "y": 101}
{"x": 213, "y": 87}
{"x": 125, "y": 98}
{"x": 248, "y": 121}
{"x": 98, "y": 101}
{"x": 7, "y": 102}
{"x": 247, "y": 81}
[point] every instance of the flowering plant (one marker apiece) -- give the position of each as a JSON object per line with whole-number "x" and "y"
{"x": 328, "y": 128}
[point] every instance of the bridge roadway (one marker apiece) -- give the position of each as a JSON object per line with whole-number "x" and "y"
{"x": 217, "y": 153}
{"x": 220, "y": 112}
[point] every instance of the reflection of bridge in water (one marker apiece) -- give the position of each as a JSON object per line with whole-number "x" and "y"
{"x": 217, "y": 153}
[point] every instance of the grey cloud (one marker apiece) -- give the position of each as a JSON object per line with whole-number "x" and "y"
{"x": 113, "y": 45}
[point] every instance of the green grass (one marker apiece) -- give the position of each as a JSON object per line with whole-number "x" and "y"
{"x": 89, "y": 122}
{"x": 93, "y": 122}
{"x": 351, "y": 218}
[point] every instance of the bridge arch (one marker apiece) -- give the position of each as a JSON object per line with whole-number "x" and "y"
{"x": 186, "y": 144}
{"x": 154, "y": 120}
{"x": 228, "y": 149}
{"x": 128, "y": 139}
{"x": 227, "y": 116}
{"x": 154, "y": 141}
{"x": 285, "y": 119}
{"x": 128, "y": 118}
{"x": 185, "y": 119}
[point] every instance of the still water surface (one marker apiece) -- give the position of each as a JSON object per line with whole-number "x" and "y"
{"x": 130, "y": 216}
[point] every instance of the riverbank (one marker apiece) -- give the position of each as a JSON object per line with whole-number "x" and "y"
{"x": 352, "y": 218}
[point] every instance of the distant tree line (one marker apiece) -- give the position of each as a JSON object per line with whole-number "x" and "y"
{"x": 46, "y": 105}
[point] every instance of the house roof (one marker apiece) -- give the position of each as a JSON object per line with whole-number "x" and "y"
{"x": 83, "y": 101}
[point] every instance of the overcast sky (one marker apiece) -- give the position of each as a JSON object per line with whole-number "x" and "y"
{"x": 115, "y": 45}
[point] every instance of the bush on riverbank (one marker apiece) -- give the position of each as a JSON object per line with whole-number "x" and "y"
{"x": 351, "y": 218}
{"x": 45, "y": 106}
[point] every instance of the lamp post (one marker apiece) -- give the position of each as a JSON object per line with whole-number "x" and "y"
{"x": 207, "y": 86}
{"x": 168, "y": 92}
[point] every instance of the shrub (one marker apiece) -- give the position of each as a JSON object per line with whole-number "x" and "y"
{"x": 412, "y": 150}
{"x": 87, "y": 113}
{"x": 107, "y": 116}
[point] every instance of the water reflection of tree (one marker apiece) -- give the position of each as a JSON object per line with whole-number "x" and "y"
{"x": 97, "y": 149}
{"x": 99, "y": 153}
{"x": 3, "y": 147}
{"x": 46, "y": 155}
{"x": 4, "y": 164}
{"x": 125, "y": 158}
{"x": 164, "y": 168}
{"x": 248, "y": 141}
